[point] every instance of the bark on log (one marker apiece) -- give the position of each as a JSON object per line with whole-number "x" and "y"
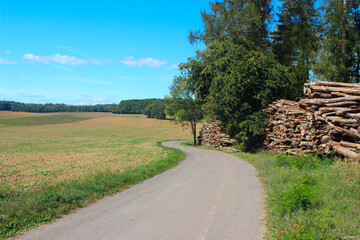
{"x": 347, "y": 153}
{"x": 338, "y": 84}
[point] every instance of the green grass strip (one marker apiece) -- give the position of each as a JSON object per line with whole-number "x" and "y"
{"x": 41, "y": 120}
{"x": 308, "y": 197}
{"x": 23, "y": 210}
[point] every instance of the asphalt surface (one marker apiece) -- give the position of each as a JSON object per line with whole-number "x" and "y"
{"x": 210, "y": 195}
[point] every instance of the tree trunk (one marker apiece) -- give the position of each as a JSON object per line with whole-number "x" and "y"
{"x": 357, "y": 78}
{"x": 193, "y": 126}
{"x": 344, "y": 41}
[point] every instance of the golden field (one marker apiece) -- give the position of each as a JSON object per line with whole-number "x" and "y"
{"x": 34, "y": 150}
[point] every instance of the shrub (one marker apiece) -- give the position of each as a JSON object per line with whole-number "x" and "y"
{"x": 300, "y": 196}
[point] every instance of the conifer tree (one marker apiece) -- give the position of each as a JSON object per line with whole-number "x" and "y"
{"x": 340, "y": 55}
{"x": 296, "y": 39}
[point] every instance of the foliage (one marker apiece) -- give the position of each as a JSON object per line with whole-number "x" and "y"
{"x": 234, "y": 18}
{"x": 234, "y": 83}
{"x": 241, "y": 71}
{"x": 340, "y": 55}
{"x": 49, "y": 107}
{"x": 300, "y": 196}
{"x": 156, "y": 110}
{"x": 296, "y": 39}
{"x": 21, "y": 210}
{"x": 138, "y": 106}
{"x": 183, "y": 105}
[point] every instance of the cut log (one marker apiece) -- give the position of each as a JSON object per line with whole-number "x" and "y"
{"x": 338, "y": 84}
{"x": 347, "y": 153}
{"x": 342, "y": 104}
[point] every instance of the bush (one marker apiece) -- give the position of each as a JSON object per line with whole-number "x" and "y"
{"x": 300, "y": 196}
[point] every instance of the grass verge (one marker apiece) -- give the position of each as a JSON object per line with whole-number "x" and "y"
{"x": 22, "y": 210}
{"x": 308, "y": 197}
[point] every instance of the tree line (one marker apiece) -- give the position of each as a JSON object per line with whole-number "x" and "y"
{"x": 251, "y": 60}
{"x": 50, "y": 107}
{"x": 153, "y": 108}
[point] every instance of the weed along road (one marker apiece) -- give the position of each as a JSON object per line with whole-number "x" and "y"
{"x": 210, "y": 195}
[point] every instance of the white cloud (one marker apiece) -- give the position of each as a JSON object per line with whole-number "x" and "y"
{"x": 174, "y": 66}
{"x": 62, "y": 59}
{"x": 89, "y": 100}
{"x": 32, "y": 97}
{"x": 7, "y": 52}
{"x": 145, "y": 62}
{"x": 2, "y": 61}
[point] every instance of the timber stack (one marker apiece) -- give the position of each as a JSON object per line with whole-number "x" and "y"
{"x": 212, "y": 135}
{"x": 327, "y": 119}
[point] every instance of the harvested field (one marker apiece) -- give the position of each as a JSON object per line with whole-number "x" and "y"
{"x": 38, "y": 154}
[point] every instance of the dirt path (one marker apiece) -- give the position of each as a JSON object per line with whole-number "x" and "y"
{"x": 210, "y": 195}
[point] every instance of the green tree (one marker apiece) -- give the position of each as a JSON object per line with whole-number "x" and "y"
{"x": 296, "y": 39}
{"x": 183, "y": 105}
{"x": 340, "y": 53}
{"x": 156, "y": 110}
{"x": 234, "y": 83}
{"x": 234, "y": 19}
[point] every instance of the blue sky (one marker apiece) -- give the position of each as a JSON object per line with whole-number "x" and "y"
{"x": 93, "y": 52}
{"x": 89, "y": 52}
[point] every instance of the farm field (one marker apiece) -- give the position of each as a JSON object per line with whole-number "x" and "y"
{"x": 37, "y": 149}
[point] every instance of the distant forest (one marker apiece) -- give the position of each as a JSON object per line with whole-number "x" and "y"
{"x": 153, "y": 108}
{"x": 50, "y": 107}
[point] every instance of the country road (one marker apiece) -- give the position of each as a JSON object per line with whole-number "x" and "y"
{"x": 210, "y": 195}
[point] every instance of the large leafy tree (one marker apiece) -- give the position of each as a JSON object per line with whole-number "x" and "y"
{"x": 235, "y": 82}
{"x": 236, "y": 76}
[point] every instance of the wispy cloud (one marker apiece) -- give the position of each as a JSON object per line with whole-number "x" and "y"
{"x": 89, "y": 100}
{"x": 2, "y": 61}
{"x": 32, "y": 97}
{"x": 146, "y": 62}
{"x": 78, "y": 79}
{"x": 62, "y": 59}
{"x": 7, "y": 52}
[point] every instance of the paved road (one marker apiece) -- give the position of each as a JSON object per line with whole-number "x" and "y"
{"x": 210, "y": 195}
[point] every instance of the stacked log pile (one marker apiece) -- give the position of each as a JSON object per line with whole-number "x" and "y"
{"x": 327, "y": 119}
{"x": 212, "y": 135}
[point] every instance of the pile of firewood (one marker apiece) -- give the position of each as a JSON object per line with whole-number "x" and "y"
{"x": 212, "y": 135}
{"x": 327, "y": 119}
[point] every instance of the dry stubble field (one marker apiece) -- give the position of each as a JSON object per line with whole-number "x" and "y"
{"x": 37, "y": 152}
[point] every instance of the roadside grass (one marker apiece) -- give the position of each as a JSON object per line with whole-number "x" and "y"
{"x": 22, "y": 210}
{"x": 41, "y": 120}
{"x": 308, "y": 197}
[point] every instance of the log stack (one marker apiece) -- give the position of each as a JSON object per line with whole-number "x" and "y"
{"x": 212, "y": 135}
{"x": 327, "y": 119}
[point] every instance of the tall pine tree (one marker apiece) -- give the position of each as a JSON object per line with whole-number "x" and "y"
{"x": 340, "y": 55}
{"x": 296, "y": 39}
